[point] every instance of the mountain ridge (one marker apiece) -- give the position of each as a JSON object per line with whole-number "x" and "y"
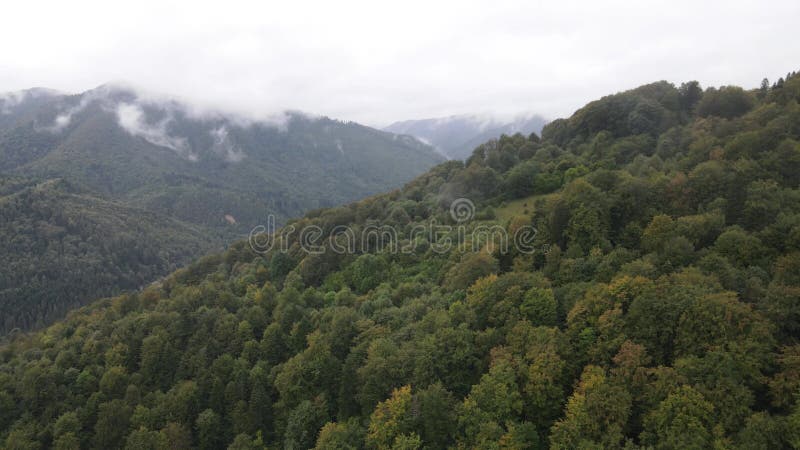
{"x": 154, "y": 159}
{"x": 457, "y": 136}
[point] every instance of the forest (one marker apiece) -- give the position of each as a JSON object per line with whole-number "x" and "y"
{"x": 662, "y": 310}
{"x": 101, "y": 206}
{"x": 61, "y": 246}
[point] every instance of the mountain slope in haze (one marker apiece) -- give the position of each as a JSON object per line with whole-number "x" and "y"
{"x": 457, "y": 136}
{"x": 201, "y": 167}
{"x": 655, "y": 306}
{"x": 61, "y": 246}
{"x": 161, "y": 183}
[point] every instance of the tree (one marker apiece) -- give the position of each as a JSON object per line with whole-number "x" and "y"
{"x": 471, "y": 267}
{"x": 309, "y": 374}
{"x": 596, "y": 414}
{"x": 520, "y": 179}
{"x": 112, "y": 424}
{"x": 367, "y": 272}
{"x": 717, "y": 321}
{"x": 67, "y": 441}
{"x": 727, "y": 102}
{"x": 381, "y": 373}
{"x": 540, "y": 307}
{"x": 175, "y": 436}
{"x": 682, "y": 420}
{"x": 690, "y": 94}
{"x": 114, "y": 382}
{"x": 210, "y": 434}
{"x": 142, "y": 439}
{"x": 493, "y": 404}
{"x": 793, "y": 427}
{"x": 157, "y": 356}
{"x": 304, "y": 424}
{"x": 245, "y": 442}
{"x": 341, "y": 436}
{"x": 762, "y": 432}
{"x": 763, "y": 90}
{"x": 23, "y": 437}
{"x": 437, "y": 419}
{"x": 653, "y": 315}
{"x": 67, "y": 423}
{"x": 391, "y": 419}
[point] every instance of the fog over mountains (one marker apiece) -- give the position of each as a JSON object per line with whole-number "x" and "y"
{"x": 200, "y": 165}
{"x": 457, "y": 136}
{"x": 107, "y": 190}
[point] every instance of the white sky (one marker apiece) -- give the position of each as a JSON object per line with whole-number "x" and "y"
{"x": 376, "y": 62}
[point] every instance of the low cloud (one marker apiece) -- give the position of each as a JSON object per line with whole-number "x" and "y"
{"x": 436, "y": 148}
{"x": 63, "y": 120}
{"x": 10, "y": 100}
{"x": 131, "y": 117}
{"x": 224, "y": 146}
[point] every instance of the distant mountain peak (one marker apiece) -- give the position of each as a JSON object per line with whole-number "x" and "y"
{"x": 9, "y": 101}
{"x": 456, "y": 136}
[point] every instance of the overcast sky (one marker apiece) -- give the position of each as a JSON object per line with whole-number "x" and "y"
{"x": 376, "y": 62}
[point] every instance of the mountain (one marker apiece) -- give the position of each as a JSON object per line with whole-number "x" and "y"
{"x": 61, "y": 246}
{"x": 456, "y": 136}
{"x": 647, "y": 298}
{"x": 121, "y": 188}
{"x": 205, "y": 168}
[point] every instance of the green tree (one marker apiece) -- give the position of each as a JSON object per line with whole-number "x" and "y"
{"x": 471, "y": 267}
{"x": 727, "y": 102}
{"x": 682, "y": 420}
{"x": 209, "y": 428}
{"x": 690, "y": 94}
{"x": 111, "y": 428}
{"x": 596, "y": 414}
{"x": 304, "y": 424}
{"x": 493, "y": 405}
{"x": 341, "y": 436}
{"x": 540, "y": 307}
{"x": 391, "y": 419}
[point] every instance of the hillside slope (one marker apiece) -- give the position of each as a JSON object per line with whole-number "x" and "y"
{"x": 167, "y": 180}
{"x": 61, "y": 247}
{"x": 201, "y": 166}
{"x": 656, "y": 306}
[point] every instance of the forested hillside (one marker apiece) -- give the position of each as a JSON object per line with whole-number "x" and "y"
{"x": 61, "y": 246}
{"x": 161, "y": 184}
{"x": 661, "y": 308}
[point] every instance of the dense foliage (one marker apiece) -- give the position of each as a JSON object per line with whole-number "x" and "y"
{"x": 664, "y": 314}
{"x": 143, "y": 166}
{"x": 61, "y": 246}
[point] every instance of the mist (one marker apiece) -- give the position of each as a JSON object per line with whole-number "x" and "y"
{"x": 378, "y": 63}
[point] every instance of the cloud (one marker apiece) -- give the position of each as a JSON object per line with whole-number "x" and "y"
{"x": 63, "y": 119}
{"x": 224, "y": 146}
{"x": 130, "y": 105}
{"x": 339, "y": 146}
{"x": 131, "y": 117}
{"x": 10, "y": 100}
{"x": 375, "y": 62}
{"x": 435, "y": 147}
